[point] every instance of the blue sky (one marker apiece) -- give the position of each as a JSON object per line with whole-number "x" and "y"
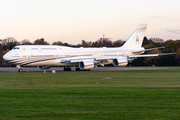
{"x": 76, "y": 20}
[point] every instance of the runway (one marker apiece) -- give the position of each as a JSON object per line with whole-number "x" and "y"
{"x": 35, "y": 69}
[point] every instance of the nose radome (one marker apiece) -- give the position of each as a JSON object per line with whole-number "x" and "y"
{"x": 5, "y": 57}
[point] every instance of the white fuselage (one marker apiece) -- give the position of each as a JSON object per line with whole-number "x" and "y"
{"x": 52, "y": 55}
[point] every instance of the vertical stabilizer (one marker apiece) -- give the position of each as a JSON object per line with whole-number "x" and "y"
{"x": 136, "y": 39}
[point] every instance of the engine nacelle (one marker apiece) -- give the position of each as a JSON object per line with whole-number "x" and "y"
{"x": 44, "y": 67}
{"x": 122, "y": 61}
{"x": 86, "y": 65}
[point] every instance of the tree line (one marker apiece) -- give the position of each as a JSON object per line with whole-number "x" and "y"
{"x": 171, "y": 46}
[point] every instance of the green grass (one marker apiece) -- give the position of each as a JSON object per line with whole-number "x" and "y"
{"x": 142, "y": 94}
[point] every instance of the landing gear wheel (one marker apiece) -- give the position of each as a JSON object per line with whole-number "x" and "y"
{"x": 67, "y": 69}
{"x": 78, "y": 69}
{"x": 20, "y": 70}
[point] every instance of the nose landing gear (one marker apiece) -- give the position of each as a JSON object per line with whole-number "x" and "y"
{"x": 19, "y": 70}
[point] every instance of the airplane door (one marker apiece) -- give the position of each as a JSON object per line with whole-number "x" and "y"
{"x": 39, "y": 49}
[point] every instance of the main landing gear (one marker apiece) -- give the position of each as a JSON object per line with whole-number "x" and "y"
{"x": 19, "y": 70}
{"x": 78, "y": 69}
{"x": 67, "y": 69}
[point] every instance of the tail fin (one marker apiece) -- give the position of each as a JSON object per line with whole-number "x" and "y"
{"x": 136, "y": 39}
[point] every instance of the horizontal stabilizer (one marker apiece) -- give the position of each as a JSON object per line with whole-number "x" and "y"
{"x": 148, "y": 49}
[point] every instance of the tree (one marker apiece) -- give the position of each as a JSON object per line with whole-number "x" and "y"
{"x": 66, "y": 44}
{"x": 40, "y": 42}
{"x": 4, "y": 63}
{"x": 177, "y": 57}
{"x": 26, "y": 42}
{"x": 57, "y": 43}
{"x": 9, "y": 43}
{"x": 104, "y": 42}
{"x": 1, "y": 54}
{"x": 149, "y": 46}
{"x": 145, "y": 41}
{"x": 167, "y": 60}
{"x": 149, "y": 61}
{"x": 86, "y": 44}
{"x": 157, "y": 40}
{"x": 138, "y": 62}
{"x": 95, "y": 44}
{"x": 171, "y": 46}
{"x": 118, "y": 43}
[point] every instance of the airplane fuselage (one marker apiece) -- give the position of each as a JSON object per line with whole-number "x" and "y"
{"x": 53, "y": 55}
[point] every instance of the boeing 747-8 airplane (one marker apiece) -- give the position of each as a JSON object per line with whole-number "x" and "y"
{"x": 45, "y": 56}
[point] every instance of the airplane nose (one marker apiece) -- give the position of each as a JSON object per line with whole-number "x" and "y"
{"x": 5, "y": 57}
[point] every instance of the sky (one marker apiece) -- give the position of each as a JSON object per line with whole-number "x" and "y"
{"x": 74, "y": 20}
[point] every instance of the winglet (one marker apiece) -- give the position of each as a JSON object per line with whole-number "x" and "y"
{"x": 136, "y": 39}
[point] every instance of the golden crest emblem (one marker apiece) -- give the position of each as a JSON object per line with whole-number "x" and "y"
{"x": 137, "y": 40}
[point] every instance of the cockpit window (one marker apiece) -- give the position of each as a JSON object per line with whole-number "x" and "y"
{"x": 15, "y": 48}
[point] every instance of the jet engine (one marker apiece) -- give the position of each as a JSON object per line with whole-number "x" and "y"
{"x": 44, "y": 67}
{"x": 122, "y": 61}
{"x": 86, "y": 65}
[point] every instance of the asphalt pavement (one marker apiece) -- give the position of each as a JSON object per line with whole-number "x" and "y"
{"x": 35, "y": 69}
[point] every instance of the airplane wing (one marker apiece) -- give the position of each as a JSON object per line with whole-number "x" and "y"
{"x": 89, "y": 63}
{"x": 132, "y": 56}
{"x": 112, "y": 57}
{"x": 149, "y": 55}
{"x": 75, "y": 60}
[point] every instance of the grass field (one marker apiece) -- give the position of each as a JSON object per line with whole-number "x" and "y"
{"x": 142, "y": 94}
